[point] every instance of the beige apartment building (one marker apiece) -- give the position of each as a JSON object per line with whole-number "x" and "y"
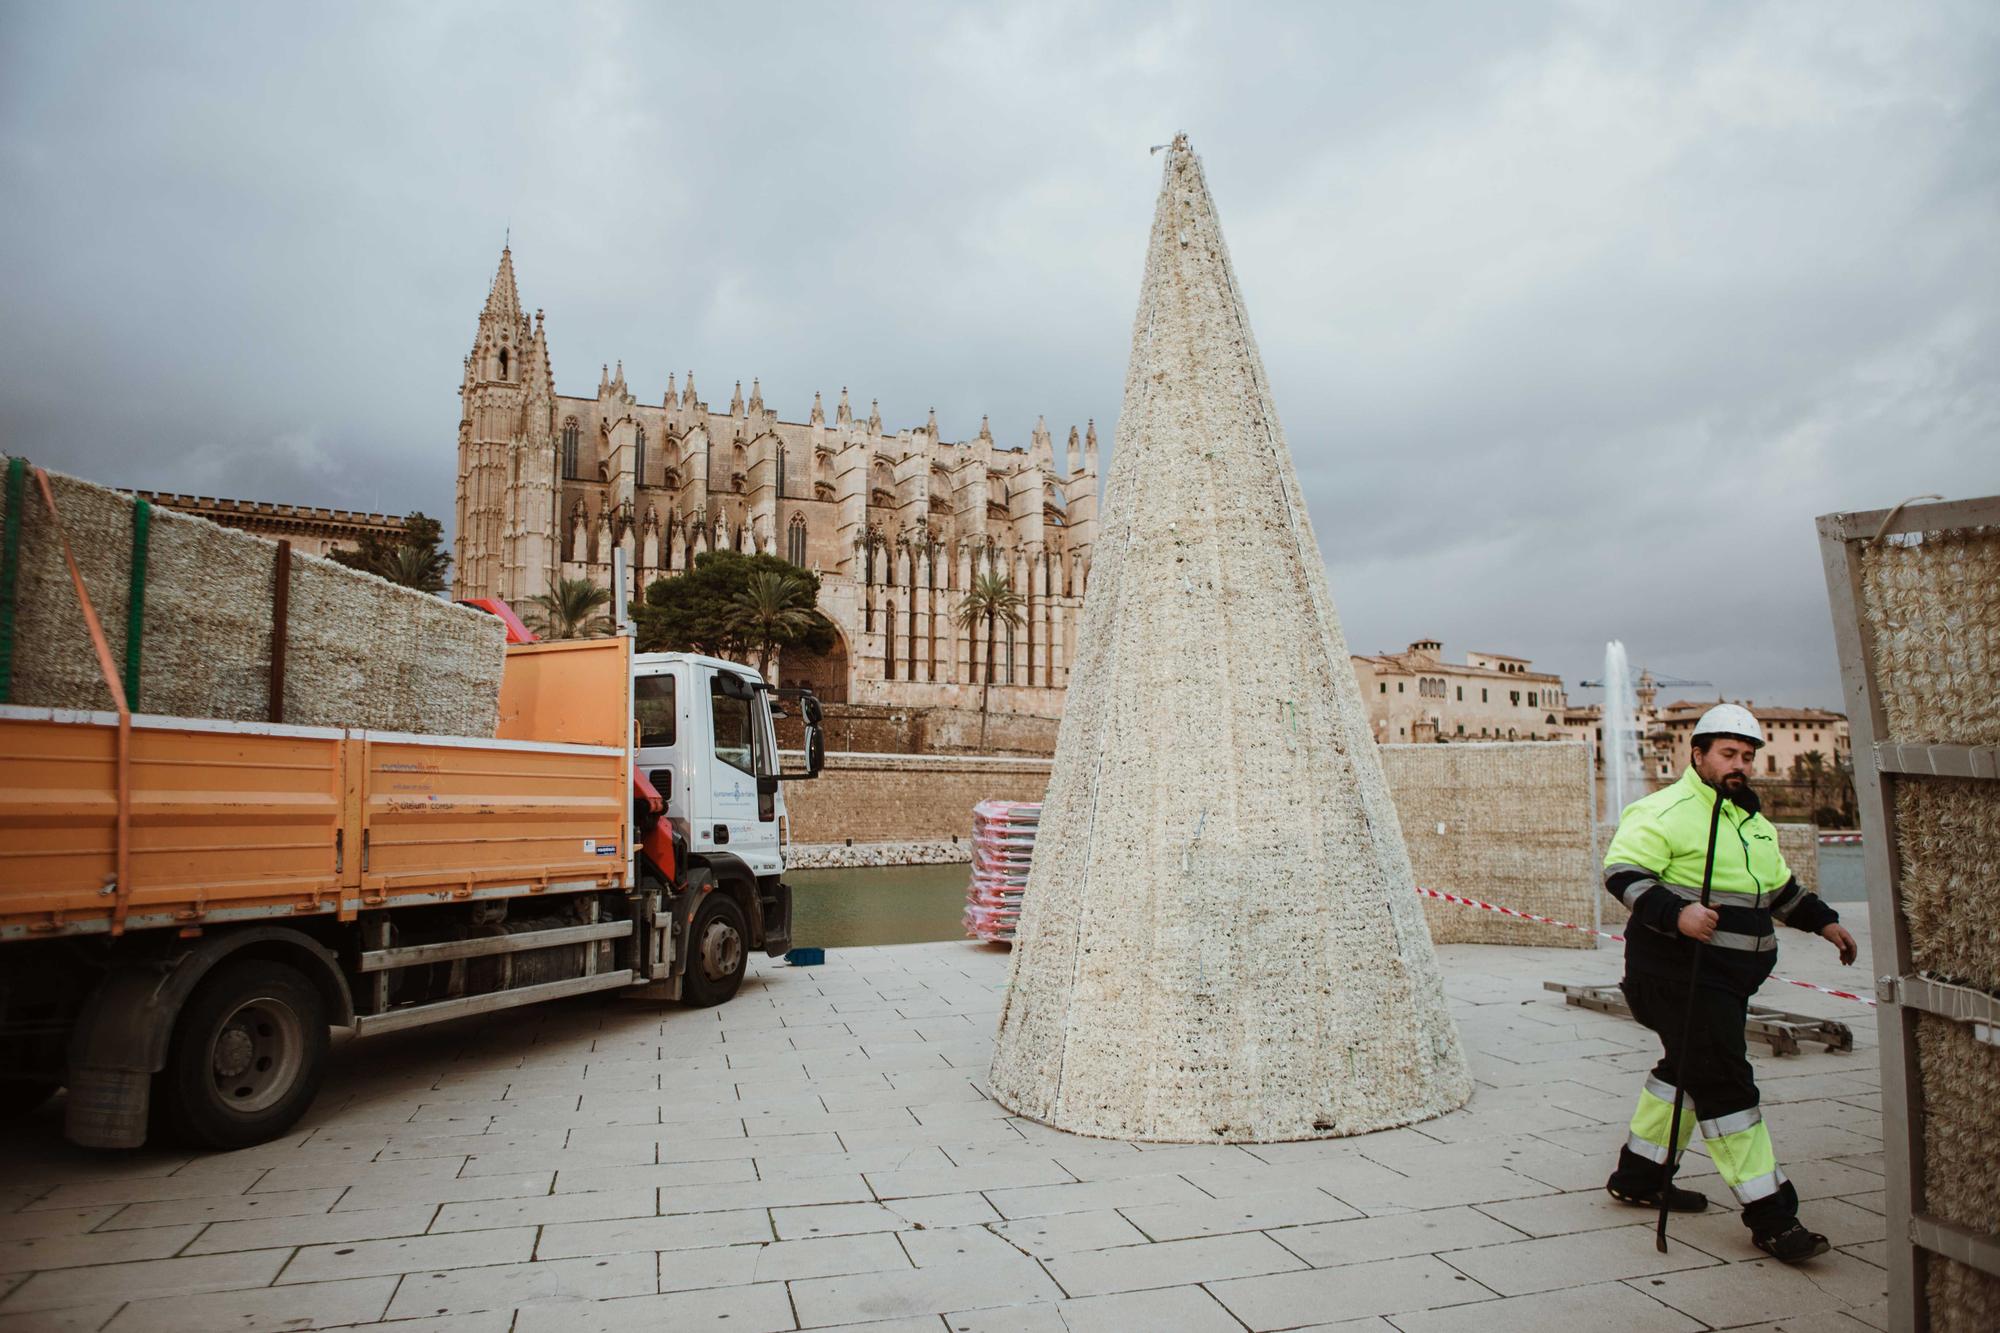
{"x": 1416, "y": 696}
{"x": 1789, "y": 734}
{"x": 311, "y": 530}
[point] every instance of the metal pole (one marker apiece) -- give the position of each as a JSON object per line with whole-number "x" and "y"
{"x": 621, "y": 576}
{"x": 1687, "y": 1035}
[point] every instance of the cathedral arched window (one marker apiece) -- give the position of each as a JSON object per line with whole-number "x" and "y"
{"x": 781, "y": 476}
{"x": 889, "y": 657}
{"x": 503, "y": 363}
{"x": 639, "y": 456}
{"x": 569, "y": 444}
{"x": 1010, "y": 653}
{"x": 795, "y": 541}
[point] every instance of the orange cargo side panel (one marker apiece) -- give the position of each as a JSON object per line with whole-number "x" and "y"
{"x": 570, "y": 692}
{"x": 228, "y": 820}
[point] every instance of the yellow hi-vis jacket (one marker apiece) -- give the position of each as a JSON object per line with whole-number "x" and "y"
{"x": 1654, "y": 866}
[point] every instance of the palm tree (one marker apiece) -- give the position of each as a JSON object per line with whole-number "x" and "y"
{"x": 414, "y": 567}
{"x": 569, "y": 610}
{"x": 991, "y": 599}
{"x": 772, "y": 610}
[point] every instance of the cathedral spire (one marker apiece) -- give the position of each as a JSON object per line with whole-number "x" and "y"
{"x": 504, "y": 301}
{"x": 1040, "y": 449}
{"x": 688, "y": 398}
{"x": 818, "y": 417}
{"x": 1071, "y": 460}
{"x": 736, "y": 401}
{"x": 843, "y": 415}
{"x": 874, "y": 417}
{"x": 672, "y": 392}
{"x": 618, "y": 380}
{"x": 985, "y": 430}
{"x": 756, "y": 394}
{"x": 931, "y": 426}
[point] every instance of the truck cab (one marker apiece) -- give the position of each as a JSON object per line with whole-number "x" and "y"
{"x": 708, "y": 745}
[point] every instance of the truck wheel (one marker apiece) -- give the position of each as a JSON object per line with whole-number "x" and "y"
{"x": 247, "y": 1056}
{"x": 718, "y": 951}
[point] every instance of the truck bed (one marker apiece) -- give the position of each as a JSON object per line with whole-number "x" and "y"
{"x": 231, "y": 821}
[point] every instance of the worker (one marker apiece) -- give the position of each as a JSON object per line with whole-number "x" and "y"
{"x": 1655, "y": 867}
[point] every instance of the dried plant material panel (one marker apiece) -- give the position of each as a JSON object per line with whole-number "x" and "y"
{"x": 1799, "y": 845}
{"x": 1931, "y": 605}
{"x": 1962, "y": 1299}
{"x": 1220, "y": 941}
{"x": 1948, "y": 842}
{"x": 360, "y": 651}
{"x": 1961, "y": 1097}
{"x": 1507, "y": 822}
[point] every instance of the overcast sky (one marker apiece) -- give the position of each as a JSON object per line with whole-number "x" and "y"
{"x": 1576, "y": 314}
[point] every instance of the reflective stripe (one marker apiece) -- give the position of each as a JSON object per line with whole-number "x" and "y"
{"x": 1731, "y": 1124}
{"x": 1722, "y": 897}
{"x": 1761, "y": 1187}
{"x": 1652, "y": 1152}
{"x": 1744, "y": 1158}
{"x": 1653, "y": 1118}
{"x": 1637, "y": 890}
{"x": 1660, "y": 1088}
{"x": 1788, "y": 900}
{"x": 1729, "y": 939}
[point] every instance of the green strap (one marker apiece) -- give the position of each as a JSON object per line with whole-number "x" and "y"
{"x": 10, "y": 568}
{"x": 135, "y": 601}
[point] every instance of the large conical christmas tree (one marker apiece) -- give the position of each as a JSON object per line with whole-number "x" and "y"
{"x": 1220, "y": 941}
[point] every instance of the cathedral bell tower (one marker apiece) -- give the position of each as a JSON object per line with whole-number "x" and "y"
{"x": 506, "y": 453}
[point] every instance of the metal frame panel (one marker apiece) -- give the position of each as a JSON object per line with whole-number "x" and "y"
{"x": 1910, "y": 1233}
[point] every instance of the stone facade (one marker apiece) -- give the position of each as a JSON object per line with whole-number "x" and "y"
{"x": 897, "y": 524}
{"x": 310, "y": 530}
{"x": 1417, "y": 696}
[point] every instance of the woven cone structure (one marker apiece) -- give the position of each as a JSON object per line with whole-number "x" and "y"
{"x": 1220, "y": 941}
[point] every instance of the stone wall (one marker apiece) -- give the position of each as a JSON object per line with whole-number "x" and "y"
{"x": 1799, "y": 845}
{"x": 903, "y": 797}
{"x": 1505, "y": 822}
{"x": 885, "y": 729}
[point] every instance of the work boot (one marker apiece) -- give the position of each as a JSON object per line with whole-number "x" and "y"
{"x": 1790, "y": 1243}
{"x": 1678, "y": 1199}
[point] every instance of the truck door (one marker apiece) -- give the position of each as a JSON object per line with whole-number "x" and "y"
{"x": 740, "y": 817}
{"x": 657, "y": 701}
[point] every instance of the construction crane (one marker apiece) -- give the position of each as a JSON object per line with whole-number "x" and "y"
{"x": 1645, "y": 678}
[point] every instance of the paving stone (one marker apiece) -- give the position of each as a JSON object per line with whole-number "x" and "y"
{"x": 53, "y": 1222}
{"x": 944, "y": 1210}
{"x": 1041, "y": 1317}
{"x": 1185, "y": 1309}
{"x": 1387, "y": 1286}
{"x": 565, "y": 1282}
{"x": 785, "y": 1192}
{"x": 685, "y": 1232}
{"x": 834, "y": 1219}
{"x": 935, "y": 1290}
{"x": 1250, "y": 1212}
{"x": 1418, "y": 1194}
{"x": 225, "y": 1208}
{"x": 483, "y": 1321}
{"x": 1332, "y": 1244}
{"x": 74, "y": 1319}
{"x": 780, "y": 1261}
{"x": 408, "y": 1254}
{"x": 1581, "y": 1210}
{"x": 1136, "y": 1192}
{"x": 966, "y": 1179}
{"x": 1525, "y": 1266}
{"x": 137, "y": 1281}
{"x": 269, "y": 1308}
{"x": 146, "y": 1189}
{"x": 1725, "y": 1236}
{"x": 312, "y": 1229}
{"x": 541, "y": 1209}
{"x": 1070, "y": 1233}
{"x": 1170, "y": 1263}
{"x": 1591, "y": 1309}
{"x": 28, "y": 1256}
{"x": 1762, "y": 1289}
{"x": 385, "y": 1194}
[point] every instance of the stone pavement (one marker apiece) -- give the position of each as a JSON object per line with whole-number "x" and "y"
{"x": 820, "y": 1153}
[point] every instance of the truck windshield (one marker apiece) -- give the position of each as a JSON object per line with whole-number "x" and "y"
{"x": 735, "y": 728}
{"x": 653, "y": 697}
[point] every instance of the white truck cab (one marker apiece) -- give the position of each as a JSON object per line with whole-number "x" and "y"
{"x": 708, "y": 744}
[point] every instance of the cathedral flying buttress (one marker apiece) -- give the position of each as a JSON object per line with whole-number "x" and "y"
{"x": 897, "y": 525}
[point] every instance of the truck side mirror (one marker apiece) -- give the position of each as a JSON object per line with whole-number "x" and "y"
{"x": 809, "y": 705}
{"x": 815, "y": 750}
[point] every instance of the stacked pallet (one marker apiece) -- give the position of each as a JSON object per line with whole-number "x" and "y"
{"x": 1003, "y": 843}
{"x": 205, "y": 621}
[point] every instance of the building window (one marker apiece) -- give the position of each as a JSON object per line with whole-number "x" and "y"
{"x": 503, "y": 363}
{"x": 1770, "y": 763}
{"x": 1383, "y": 686}
{"x": 1482, "y": 696}
{"x": 1010, "y": 654}
{"x": 1533, "y": 702}
{"x": 1461, "y": 696}
{"x": 639, "y": 456}
{"x": 781, "y": 483}
{"x": 889, "y": 657}
{"x": 1399, "y": 687}
{"x": 1461, "y": 728}
{"x": 795, "y": 541}
{"x": 569, "y": 438}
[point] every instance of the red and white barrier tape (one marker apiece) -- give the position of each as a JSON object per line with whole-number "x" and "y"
{"x": 1826, "y": 839}
{"x": 1605, "y": 934}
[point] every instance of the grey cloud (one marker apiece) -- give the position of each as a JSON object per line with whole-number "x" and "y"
{"x": 1576, "y": 313}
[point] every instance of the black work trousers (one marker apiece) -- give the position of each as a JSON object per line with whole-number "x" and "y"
{"x": 1716, "y": 1076}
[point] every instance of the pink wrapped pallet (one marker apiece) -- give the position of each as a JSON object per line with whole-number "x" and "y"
{"x": 1003, "y": 845}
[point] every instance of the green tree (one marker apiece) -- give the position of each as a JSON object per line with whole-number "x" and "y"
{"x": 709, "y": 609}
{"x": 570, "y": 609}
{"x": 772, "y": 610}
{"x": 416, "y": 558}
{"x": 993, "y": 602}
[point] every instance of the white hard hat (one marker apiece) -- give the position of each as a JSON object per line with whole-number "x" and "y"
{"x": 1730, "y": 720}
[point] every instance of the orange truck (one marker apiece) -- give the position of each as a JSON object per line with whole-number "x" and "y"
{"x": 188, "y": 906}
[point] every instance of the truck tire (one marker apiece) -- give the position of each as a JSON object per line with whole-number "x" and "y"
{"x": 718, "y": 952}
{"x": 248, "y": 1052}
